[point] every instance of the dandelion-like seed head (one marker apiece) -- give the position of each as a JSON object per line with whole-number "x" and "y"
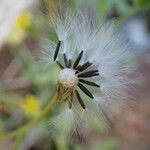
{"x": 94, "y": 65}
{"x": 72, "y": 75}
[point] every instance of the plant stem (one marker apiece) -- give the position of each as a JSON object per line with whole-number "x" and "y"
{"x": 27, "y": 126}
{"x": 18, "y": 142}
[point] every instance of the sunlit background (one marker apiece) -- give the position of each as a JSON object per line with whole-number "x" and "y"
{"x": 25, "y": 86}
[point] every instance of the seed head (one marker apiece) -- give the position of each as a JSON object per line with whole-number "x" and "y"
{"x": 68, "y": 78}
{"x": 93, "y": 61}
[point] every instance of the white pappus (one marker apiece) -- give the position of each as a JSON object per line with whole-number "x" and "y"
{"x": 94, "y": 74}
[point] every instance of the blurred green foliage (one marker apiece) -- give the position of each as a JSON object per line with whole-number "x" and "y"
{"x": 120, "y": 8}
{"x": 108, "y": 144}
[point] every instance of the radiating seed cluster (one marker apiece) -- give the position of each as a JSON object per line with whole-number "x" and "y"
{"x": 73, "y": 75}
{"x": 95, "y": 62}
{"x": 68, "y": 78}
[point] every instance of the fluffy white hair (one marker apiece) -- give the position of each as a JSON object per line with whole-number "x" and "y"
{"x": 106, "y": 50}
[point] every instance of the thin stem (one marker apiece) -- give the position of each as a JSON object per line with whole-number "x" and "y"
{"x": 27, "y": 126}
{"x": 18, "y": 142}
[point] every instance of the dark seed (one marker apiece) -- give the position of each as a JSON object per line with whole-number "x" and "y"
{"x": 65, "y": 60}
{"x": 79, "y": 99}
{"x": 89, "y": 83}
{"x": 57, "y": 50}
{"x": 85, "y": 90}
{"x": 60, "y": 65}
{"x": 77, "y": 60}
{"x": 84, "y": 66}
{"x": 95, "y": 74}
{"x": 69, "y": 63}
{"x": 89, "y": 74}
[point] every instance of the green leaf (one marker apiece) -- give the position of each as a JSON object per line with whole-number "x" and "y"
{"x": 122, "y": 6}
{"x": 141, "y": 3}
{"x": 105, "y": 6}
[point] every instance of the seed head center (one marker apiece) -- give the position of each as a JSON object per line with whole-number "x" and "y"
{"x": 67, "y": 78}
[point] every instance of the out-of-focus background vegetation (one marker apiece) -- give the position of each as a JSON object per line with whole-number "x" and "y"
{"x": 25, "y": 86}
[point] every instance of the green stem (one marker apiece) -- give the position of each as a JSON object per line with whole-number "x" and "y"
{"x": 18, "y": 142}
{"x": 27, "y": 126}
